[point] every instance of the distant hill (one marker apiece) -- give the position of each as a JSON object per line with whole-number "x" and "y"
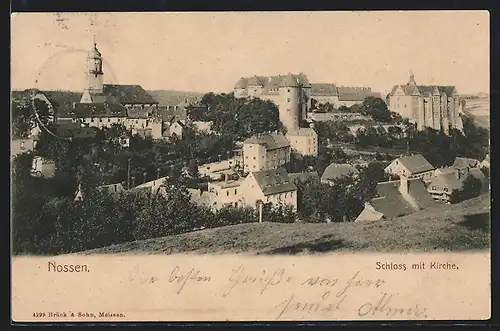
{"x": 463, "y": 226}
{"x": 173, "y": 98}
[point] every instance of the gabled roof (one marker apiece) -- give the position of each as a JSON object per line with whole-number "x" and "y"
{"x": 241, "y": 83}
{"x": 392, "y": 207}
{"x": 271, "y": 83}
{"x": 411, "y": 89}
{"x": 256, "y": 81}
{"x": 452, "y": 181}
{"x": 301, "y": 132}
{"x": 392, "y": 203}
{"x": 416, "y": 163}
{"x": 269, "y": 140}
{"x": 289, "y": 81}
{"x": 61, "y": 101}
{"x": 335, "y": 170}
{"x": 174, "y": 98}
{"x": 303, "y": 176}
{"x": 324, "y": 90}
{"x": 428, "y": 89}
{"x": 463, "y": 162}
{"x": 355, "y": 93}
{"x": 167, "y": 114}
{"x": 128, "y": 94}
{"x": 448, "y": 90}
{"x": 98, "y": 97}
{"x": 274, "y": 181}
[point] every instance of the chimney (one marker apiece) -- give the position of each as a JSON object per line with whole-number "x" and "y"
{"x": 226, "y": 177}
{"x": 403, "y": 185}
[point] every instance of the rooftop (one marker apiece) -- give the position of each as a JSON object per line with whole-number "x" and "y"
{"x": 274, "y": 181}
{"x": 392, "y": 203}
{"x": 335, "y": 170}
{"x": 269, "y": 140}
{"x": 271, "y": 83}
{"x": 301, "y": 132}
{"x": 416, "y": 163}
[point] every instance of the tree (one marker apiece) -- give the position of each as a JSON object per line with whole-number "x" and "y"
{"x": 471, "y": 188}
{"x": 377, "y": 109}
{"x": 193, "y": 168}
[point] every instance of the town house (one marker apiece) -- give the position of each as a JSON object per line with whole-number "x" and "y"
{"x": 269, "y": 186}
{"x": 414, "y": 166}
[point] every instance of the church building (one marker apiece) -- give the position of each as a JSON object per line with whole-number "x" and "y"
{"x": 432, "y": 106}
{"x": 102, "y": 105}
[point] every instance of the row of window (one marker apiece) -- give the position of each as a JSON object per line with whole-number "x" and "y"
{"x": 227, "y": 192}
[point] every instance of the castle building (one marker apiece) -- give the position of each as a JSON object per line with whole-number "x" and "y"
{"x": 291, "y": 93}
{"x": 433, "y": 106}
{"x": 102, "y": 105}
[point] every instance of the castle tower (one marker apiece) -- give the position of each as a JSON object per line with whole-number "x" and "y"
{"x": 289, "y": 106}
{"x": 94, "y": 72}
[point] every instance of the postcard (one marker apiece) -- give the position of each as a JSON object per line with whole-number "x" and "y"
{"x": 250, "y": 166}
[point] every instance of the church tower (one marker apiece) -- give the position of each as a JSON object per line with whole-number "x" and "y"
{"x": 94, "y": 77}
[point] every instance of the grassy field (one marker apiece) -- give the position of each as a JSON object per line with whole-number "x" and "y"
{"x": 480, "y": 110}
{"x": 464, "y": 226}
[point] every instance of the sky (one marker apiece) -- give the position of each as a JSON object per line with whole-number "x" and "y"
{"x": 210, "y": 51}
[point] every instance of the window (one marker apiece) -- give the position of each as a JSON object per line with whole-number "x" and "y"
{"x": 288, "y": 90}
{"x": 22, "y": 144}
{"x": 227, "y": 193}
{"x": 254, "y": 158}
{"x": 434, "y": 188}
{"x": 100, "y": 120}
{"x": 109, "y": 120}
{"x": 446, "y": 189}
{"x": 235, "y": 191}
{"x": 288, "y": 100}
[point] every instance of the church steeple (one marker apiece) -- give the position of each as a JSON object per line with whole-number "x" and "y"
{"x": 94, "y": 70}
{"x": 411, "y": 81}
{"x": 93, "y": 92}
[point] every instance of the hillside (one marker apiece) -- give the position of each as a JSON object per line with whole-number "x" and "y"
{"x": 173, "y": 98}
{"x": 464, "y": 226}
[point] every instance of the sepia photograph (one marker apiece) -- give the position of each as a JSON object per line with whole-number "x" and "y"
{"x": 252, "y": 134}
